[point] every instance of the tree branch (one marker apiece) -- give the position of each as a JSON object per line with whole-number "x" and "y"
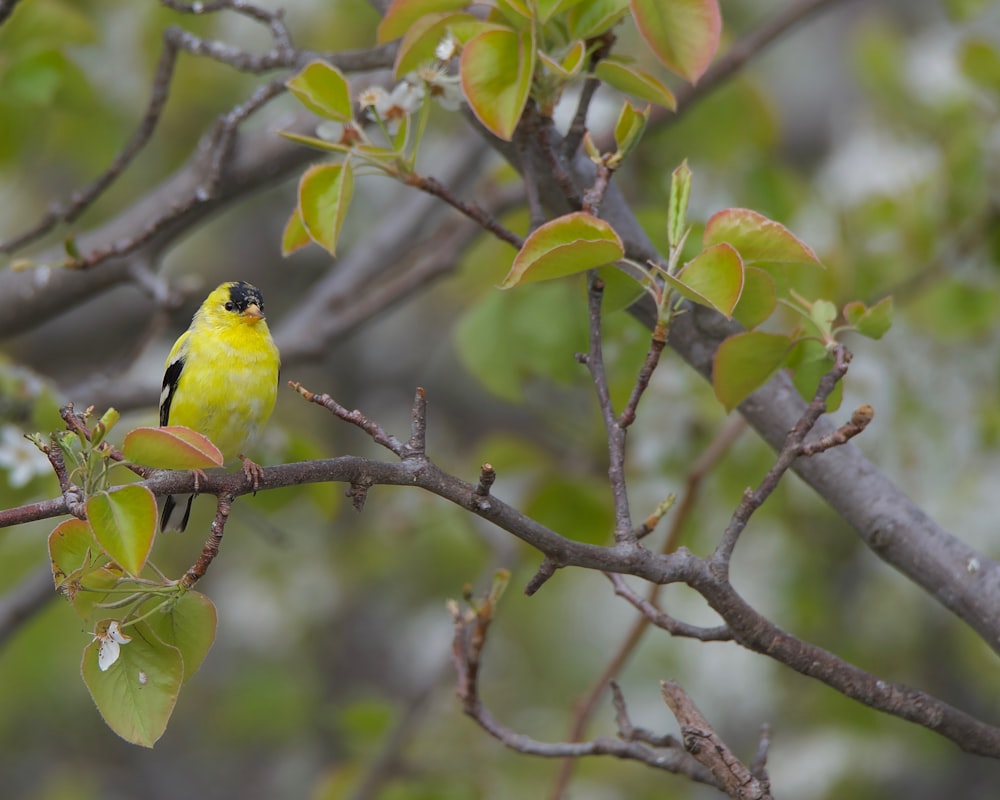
{"x": 701, "y": 740}
{"x": 467, "y": 645}
{"x": 888, "y": 522}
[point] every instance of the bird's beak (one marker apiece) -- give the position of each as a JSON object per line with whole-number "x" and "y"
{"x": 253, "y": 314}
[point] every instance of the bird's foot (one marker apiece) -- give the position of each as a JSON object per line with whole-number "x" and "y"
{"x": 253, "y": 471}
{"x": 199, "y": 475}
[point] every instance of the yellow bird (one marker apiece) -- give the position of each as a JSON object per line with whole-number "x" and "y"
{"x": 221, "y": 380}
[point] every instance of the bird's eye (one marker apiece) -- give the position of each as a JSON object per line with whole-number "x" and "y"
{"x": 230, "y": 305}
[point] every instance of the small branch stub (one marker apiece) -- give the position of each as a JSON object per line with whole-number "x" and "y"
{"x": 701, "y": 741}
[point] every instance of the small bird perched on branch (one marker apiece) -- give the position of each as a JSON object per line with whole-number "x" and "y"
{"x": 221, "y": 380}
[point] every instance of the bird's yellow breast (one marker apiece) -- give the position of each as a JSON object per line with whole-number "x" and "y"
{"x": 228, "y": 385}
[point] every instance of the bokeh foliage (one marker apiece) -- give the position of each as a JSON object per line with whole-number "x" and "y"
{"x": 330, "y": 623}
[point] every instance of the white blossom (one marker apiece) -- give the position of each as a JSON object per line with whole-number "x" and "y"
{"x": 20, "y": 458}
{"x": 442, "y": 87}
{"x": 447, "y": 48}
{"x": 111, "y": 641}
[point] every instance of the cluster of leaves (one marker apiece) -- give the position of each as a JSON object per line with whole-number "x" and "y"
{"x": 534, "y": 51}
{"x": 150, "y": 633}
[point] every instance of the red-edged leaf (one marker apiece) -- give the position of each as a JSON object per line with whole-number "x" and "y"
{"x": 683, "y": 34}
{"x": 635, "y": 82}
{"x": 744, "y": 362}
{"x": 324, "y": 90}
{"x": 403, "y": 14}
{"x": 713, "y": 278}
{"x": 189, "y": 624}
{"x": 124, "y": 524}
{"x": 549, "y": 8}
{"x": 759, "y": 240}
{"x": 137, "y": 693}
{"x": 872, "y": 322}
{"x": 496, "y": 71}
{"x": 325, "y": 192}
{"x": 571, "y": 63}
{"x": 421, "y": 40}
{"x": 295, "y": 236}
{"x": 594, "y": 17}
{"x": 564, "y": 246}
{"x": 70, "y": 544}
{"x": 74, "y": 553}
{"x": 171, "y": 447}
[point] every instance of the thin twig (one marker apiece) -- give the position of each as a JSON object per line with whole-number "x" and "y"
{"x": 656, "y": 344}
{"x": 471, "y": 210}
{"x": 470, "y": 629}
{"x": 630, "y": 732}
{"x": 859, "y": 421}
{"x": 355, "y": 417}
{"x": 578, "y": 127}
{"x": 417, "y": 445}
{"x": 701, "y": 740}
{"x": 720, "y": 633}
{"x": 545, "y": 571}
{"x": 615, "y": 433}
{"x": 211, "y": 549}
{"x": 754, "y": 499}
{"x": 586, "y": 708}
{"x": 59, "y": 213}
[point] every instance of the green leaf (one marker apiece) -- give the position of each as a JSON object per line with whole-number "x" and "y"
{"x": 680, "y": 193}
{"x": 621, "y": 289}
{"x": 295, "y": 236}
{"x": 809, "y": 361}
{"x": 320, "y": 144}
{"x": 759, "y": 240}
{"x": 421, "y": 40}
{"x": 549, "y": 8}
{"x": 34, "y": 79}
{"x": 171, "y": 447}
{"x": 72, "y": 551}
{"x": 980, "y": 63}
{"x": 324, "y": 90}
{"x": 628, "y": 130}
{"x": 136, "y": 694}
{"x": 571, "y": 63}
{"x": 71, "y": 544}
{"x": 510, "y": 339}
{"x": 635, "y": 82}
{"x": 104, "y": 425}
{"x": 872, "y": 322}
{"x": 744, "y": 362}
{"x": 683, "y": 34}
{"x": 124, "y": 523}
{"x": 187, "y": 623}
{"x": 758, "y": 300}
{"x": 404, "y": 14}
{"x": 564, "y": 246}
{"x": 713, "y": 278}
{"x": 324, "y": 194}
{"x": 496, "y": 71}
{"x": 823, "y": 313}
{"x": 591, "y": 19}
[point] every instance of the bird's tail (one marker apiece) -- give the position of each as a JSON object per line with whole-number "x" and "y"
{"x": 171, "y": 518}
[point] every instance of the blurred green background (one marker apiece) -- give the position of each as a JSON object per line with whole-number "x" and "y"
{"x": 873, "y": 132}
